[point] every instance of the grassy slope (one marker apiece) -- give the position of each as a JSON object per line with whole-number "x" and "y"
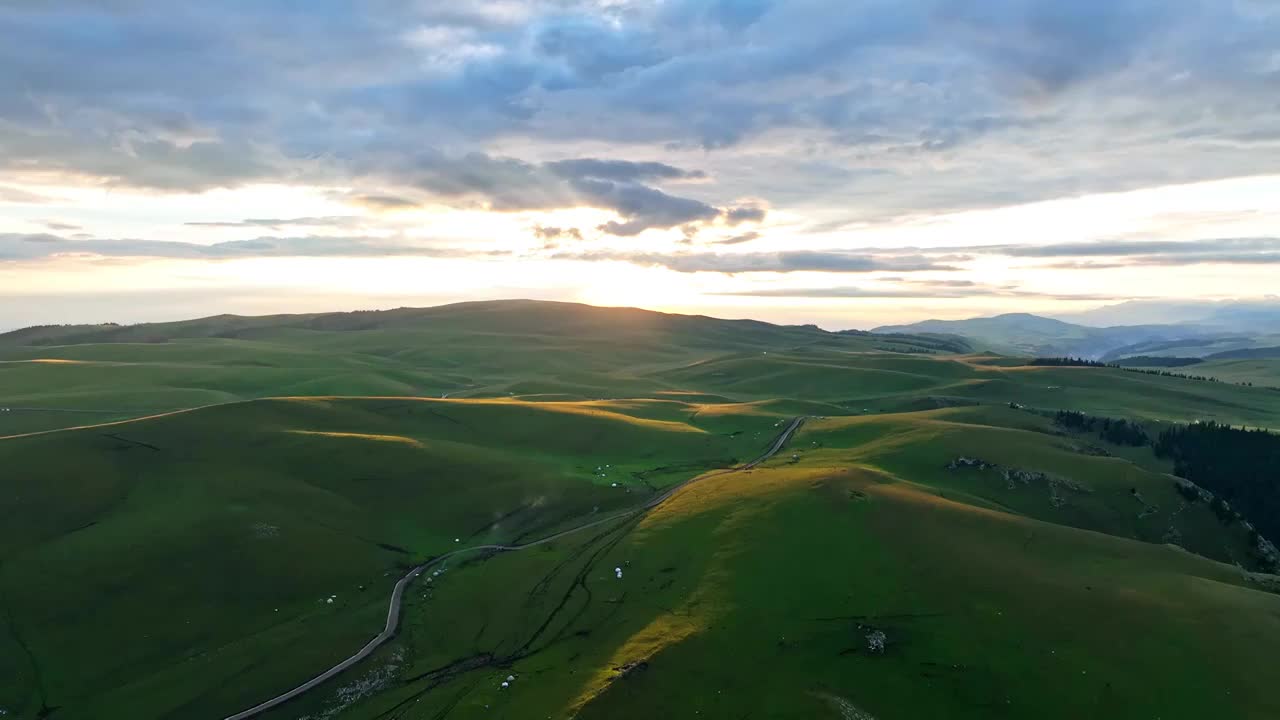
{"x": 754, "y": 594}
{"x": 550, "y": 350}
{"x": 528, "y": 350}
{"x": 1117, "y": 393}
{"x": 218, "y": 533}
{"x": 1264, "y": 372}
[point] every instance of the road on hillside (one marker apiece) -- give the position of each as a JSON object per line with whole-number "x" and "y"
{"x": 397, "y": 593}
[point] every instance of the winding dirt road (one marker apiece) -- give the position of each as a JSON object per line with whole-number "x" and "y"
{"x": 397, "y": 594}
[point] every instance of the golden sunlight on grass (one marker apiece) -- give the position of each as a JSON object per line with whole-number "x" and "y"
{"x": 359, "y": 436}
{"x": 53, "y": 361}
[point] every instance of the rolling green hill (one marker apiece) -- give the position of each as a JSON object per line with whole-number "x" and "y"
{"x": 1261, "y": 372}
{"x": 220, "y": 533}
{"x": 195, "y": 517}
{"x": 861, "y": 576}
{"x": 59, "y": 376}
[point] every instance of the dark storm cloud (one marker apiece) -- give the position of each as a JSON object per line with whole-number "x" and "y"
{"x": 896, "y": 106}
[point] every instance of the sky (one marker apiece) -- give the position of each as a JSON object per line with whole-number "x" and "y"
{"x": 848, "y": 163}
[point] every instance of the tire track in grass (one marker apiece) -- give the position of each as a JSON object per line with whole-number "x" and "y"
{"x": 36, "y": 673}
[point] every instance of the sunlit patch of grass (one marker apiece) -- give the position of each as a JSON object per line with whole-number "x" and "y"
{"x": 53, "y": 361}
{"x": 359, "y": 436}
{"x": 664, "y": 631}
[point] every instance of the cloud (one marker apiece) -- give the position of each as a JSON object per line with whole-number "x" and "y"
{"x": 738, "y": 239}
{"x": 19, "y": 247}
{"x": 1262, "y": 258}
{"x": 275, "y": 223}
{"x": 1053, "y": 46}
{"x": 57, "y": 226}
{"x": 924, "y": 291}
{"x": 1135, "y": 248}
{"x": 550, "y": 234}
{"x": 1078, "y": 265}
{"x": 380, "y": 202}
{"x": 620, "y": 170}
{"x": 1104, "y": 254}
{"x": 511, "y": 184}
{"x": 746, "y": 213}
{"x": 779, "y": 262}
{"x": 22, "y": 197}
{"x": 1132, "y": 253}
{"x": 810, "y": 104}
{"x": 642, "y": 207}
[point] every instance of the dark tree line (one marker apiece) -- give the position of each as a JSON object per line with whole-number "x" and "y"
{"x": 1082, "y": 362}
{"x": 1114, "y": 430}
{"x": 1158, "y": 361}
{"x": 1166, "y": 373}
{"x": 933, "y": 343}
{"x": 908, "y": 350}
{"x": 1069, "y": 362}
{"x": 1239, "y": 466}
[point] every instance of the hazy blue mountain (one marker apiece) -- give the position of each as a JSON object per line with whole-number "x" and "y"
{"x": 1026, "y": 334}
{"x": 1258, "y": 315}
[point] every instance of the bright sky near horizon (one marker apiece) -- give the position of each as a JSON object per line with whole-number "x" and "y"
{"x": 845, "y": 163}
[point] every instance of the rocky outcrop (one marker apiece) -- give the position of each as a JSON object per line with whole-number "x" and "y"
{"x": 1059, "y": 487}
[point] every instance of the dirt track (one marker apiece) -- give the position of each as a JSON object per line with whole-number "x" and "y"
{"x": 397, "y": 594}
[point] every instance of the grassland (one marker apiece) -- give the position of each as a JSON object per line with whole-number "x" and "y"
{"x": 242, "y": 519}
{"x": 1260, "y": 372}
{"x": 759, "y": 595}
{"x": 189, "y": 564}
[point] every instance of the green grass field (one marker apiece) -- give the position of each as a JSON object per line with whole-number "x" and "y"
{"x": 756, "y": 595}
{"x": 1262, "y": 372}
{"x": 159, "y": 561}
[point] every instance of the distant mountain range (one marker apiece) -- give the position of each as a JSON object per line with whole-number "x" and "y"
{"x": 1207, "y": 330}
{"x": 1253, "y": 315}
